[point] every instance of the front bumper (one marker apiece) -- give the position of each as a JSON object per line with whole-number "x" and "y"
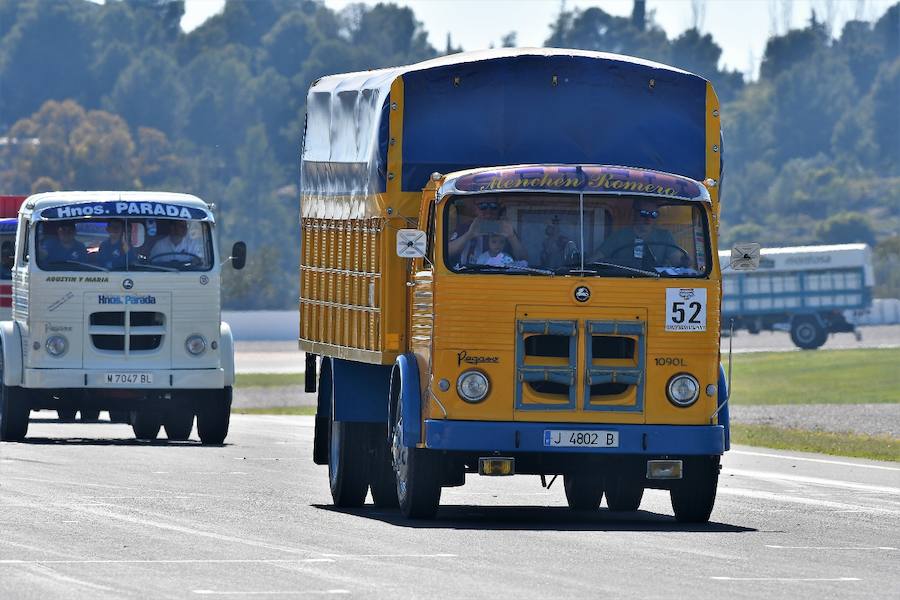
{"x": 163, "y": 379}
{"x": 510, "y": 437}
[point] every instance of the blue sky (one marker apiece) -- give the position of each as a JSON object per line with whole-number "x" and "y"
{"x": 740, "y": 27}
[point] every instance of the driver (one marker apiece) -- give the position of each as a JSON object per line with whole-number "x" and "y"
{"x": 114, "y": 251}
{"x": 64, "y": 247}
{"x": 178, "y": 246}
{"x": 644, "y": 243}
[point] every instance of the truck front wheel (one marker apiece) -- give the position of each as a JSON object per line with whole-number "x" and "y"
{"x": 417, "y": 471}
{"x": 178, "y": 423}
{"x": 146, "y": 424}
{"x": 624, "y": 494}
{"x": 382, "y": 480}
{"x": 694, "y": 496}
{"x": 214, "y": 416}
{"x": 584, "y": 491}
{"x": 14, "y": 413}
{"x": 807, "y": 333}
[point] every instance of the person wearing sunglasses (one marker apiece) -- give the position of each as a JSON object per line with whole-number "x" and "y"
{"x": 645, "y": 243}
{"x": 471, "y": 240}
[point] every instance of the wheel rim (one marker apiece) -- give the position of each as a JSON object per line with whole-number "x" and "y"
{"x": 400, "y": 458}
{"x": 806, "y": 333}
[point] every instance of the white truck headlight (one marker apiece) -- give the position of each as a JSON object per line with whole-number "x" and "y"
{"x": 195, "y": 344}
{"x": 473, "y": 386}
{"x": 683, "y": 390}
{"x": 57, "y": 345}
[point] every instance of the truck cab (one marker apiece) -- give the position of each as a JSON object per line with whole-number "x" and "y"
{"x": 116, "y": 306}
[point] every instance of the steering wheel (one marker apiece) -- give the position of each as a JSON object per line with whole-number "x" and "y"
{"x": 194, "y": 259}
{"x": 685, "y": 257}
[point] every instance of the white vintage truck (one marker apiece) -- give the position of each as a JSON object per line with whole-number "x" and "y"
{"x": 116, "y": 306}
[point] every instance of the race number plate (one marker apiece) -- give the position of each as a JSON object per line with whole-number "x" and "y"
{"x": 130, "y": 378}
{"x": 685, "y": 309}
{"x": 569, "y": 438}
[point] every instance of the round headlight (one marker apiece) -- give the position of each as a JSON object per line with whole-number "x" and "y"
{"x": 195, "y": 344}
{"x": 57, "y": 345}
{"x": 683, "y": 390}
{"x": 472, "y": 386}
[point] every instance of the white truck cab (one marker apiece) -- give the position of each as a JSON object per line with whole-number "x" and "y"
{"x": 116, "y": 306}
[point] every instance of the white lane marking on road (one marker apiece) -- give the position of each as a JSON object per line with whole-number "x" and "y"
{"x": 831, "y": 547}
{"x": 786, "y": 578}
{"x": 835, "y": 483}
{"x": 165, "y": 561}
{"x": 391, "y": 555}
{"x": 272, "y": 593}
{"x": 759, "y": 495}
{"x": 815, "y": 460}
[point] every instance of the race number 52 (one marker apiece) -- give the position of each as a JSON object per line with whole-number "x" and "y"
{"x": 685, "y": 309}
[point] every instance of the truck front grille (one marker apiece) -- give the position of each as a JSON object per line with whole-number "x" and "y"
{"x": 127, "y": 331}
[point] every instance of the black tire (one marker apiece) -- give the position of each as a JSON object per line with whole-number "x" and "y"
{"x": 417, "y": 473}
{"x": 382, "y": 481}
{"x": 694, "y": 496}
{"x": 348, "y": 458}
{"x": 584, "y": 491}
{"x": 623, "y": 494}
{"x": 14, "y": 413}
{"x": 807, "y": 333}
{"x": 146, "y": 424}
{"x": 66, "y": 415}
{"x": 214, "y": 417}
{"x": 178, "y": 423}
{"x": 119, "y": 416}
{"x": 89, "y": 415}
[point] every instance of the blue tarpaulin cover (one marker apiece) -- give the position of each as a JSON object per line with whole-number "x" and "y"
{"x": 498, "y": 107}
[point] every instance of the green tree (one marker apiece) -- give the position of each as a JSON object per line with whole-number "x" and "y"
{"x": 846, "y": 228}
{"x": 150, "y": 93}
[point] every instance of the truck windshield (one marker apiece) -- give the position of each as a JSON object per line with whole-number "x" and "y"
{"x": 132, "y": 244}
{"x": 614, "y": 236}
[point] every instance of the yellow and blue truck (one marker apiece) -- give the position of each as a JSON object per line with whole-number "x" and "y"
{"x": 509, "y": 266}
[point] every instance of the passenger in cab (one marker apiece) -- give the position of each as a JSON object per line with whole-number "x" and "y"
{"x": 178, "y": 246}
{"x": 114, "y": 251}
{"x": 494, "y": 255}
{"x": 643, "y": 243}
{"x": 64, "y": 247}
{"x": 471, "y": 240}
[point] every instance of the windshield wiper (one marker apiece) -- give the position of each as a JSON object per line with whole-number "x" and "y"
{"x": 644, "y": 272}
{"x": 496, "y": 268}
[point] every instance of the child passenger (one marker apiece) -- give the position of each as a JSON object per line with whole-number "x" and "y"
{"x": 494, "y": 255}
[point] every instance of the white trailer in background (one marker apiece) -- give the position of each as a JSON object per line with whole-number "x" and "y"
{"x": 804, "y": 290}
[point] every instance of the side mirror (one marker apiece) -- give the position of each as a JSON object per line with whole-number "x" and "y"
{"x": 7, "y": 254}
{"x": 411, "y": 243}
{"x": 238, "y": 255}
{"x": 745, "y": 257}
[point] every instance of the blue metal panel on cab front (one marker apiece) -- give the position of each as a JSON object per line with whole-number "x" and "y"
{"x": 500, "y": 436}
{"x": 360, "y": 391}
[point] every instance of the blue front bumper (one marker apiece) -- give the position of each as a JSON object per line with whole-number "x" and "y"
{"x": 505, "y": 436}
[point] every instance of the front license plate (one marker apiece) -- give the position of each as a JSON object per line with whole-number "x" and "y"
{"x": 570, "y": 438}
{"x": 130, "y": 378}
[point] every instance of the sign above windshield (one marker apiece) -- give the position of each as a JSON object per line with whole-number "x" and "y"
{"x": 124, "y": 209}
{"x": 588, "y": 179}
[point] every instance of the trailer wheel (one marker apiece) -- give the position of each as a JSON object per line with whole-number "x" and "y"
{"x": 584, "y": 491}
{"x": 624, "y": 494}
{"x": 146, "y": 424}
{"x": 694, "y": 496}
{"x": 89, "y": 415}
{"x": 382, "y": 480}
{"x": 347, "y": 460}
{"x": 807, "y": 333}
{"x": 417, "y": 471}
{"x": 214, "y": 416}
{"x": 66, "y": 415}
{"x": 117, "y": 416}
{"x": 178, "y": 423}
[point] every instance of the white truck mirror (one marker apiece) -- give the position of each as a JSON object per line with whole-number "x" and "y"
{"x": 745, "y": 257}
{"x": 411, "y": 243}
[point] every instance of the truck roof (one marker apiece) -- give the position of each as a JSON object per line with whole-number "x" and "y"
{"x": 39, "y": 202}
{"x": 507, "y": 106}
{"x": 803, "y": 258}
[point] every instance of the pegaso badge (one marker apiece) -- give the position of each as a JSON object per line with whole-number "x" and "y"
{"x": 127, "y": 284}
{"x": 582, "y": 293}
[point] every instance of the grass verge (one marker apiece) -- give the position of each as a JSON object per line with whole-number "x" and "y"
{"x": 817, "y": 377}
{"x": 268, "y": 379}
{"x": 276, "y": 410}
{"x": 823, "y": 442}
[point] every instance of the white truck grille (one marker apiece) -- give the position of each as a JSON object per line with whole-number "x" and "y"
{"x": 128, "y": 331}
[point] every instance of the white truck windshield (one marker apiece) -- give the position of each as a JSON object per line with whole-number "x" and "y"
{"x": 126, "y": 244}
{"x": 614, "y": 236}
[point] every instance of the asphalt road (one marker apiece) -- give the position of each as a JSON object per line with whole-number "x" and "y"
{"x": 284, "y": 357}
{"x": 87, "y": 512}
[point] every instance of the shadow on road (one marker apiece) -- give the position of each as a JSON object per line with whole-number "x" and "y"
{"x": 78, "y": 441}
{"x": 537, "y": 518}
